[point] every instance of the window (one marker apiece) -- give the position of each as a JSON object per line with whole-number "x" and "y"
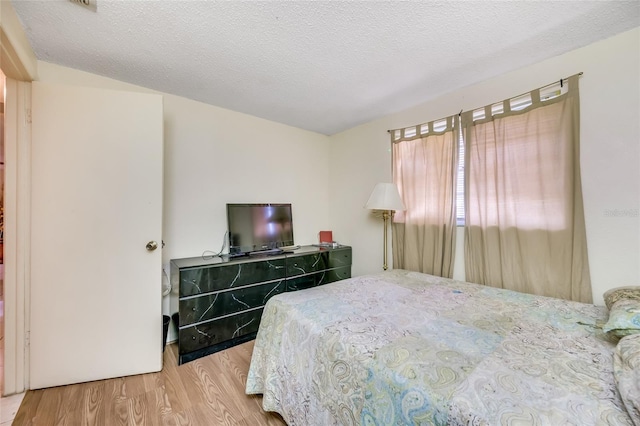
{"x": 516, "y": 104}
{"x": 460, "y": 183}
{"x": 424, "y": 171}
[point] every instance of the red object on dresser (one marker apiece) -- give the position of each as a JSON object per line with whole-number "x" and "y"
{"x": 326, "y": 237}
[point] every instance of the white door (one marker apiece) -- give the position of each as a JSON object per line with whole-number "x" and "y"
{"x": 96, "y": 203}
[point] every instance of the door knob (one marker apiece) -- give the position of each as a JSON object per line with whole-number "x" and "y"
{"x": 152, "y": 245}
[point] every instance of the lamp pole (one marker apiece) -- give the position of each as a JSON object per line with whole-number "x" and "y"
{"x": 385, "y": 218}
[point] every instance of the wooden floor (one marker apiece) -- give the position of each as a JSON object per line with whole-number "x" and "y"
{"x": 208, "y": 391}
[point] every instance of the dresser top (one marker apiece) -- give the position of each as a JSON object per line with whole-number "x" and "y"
{"x": 200, "y": 261}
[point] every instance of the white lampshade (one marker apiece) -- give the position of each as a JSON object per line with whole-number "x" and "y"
{"x": 385, "y": 196}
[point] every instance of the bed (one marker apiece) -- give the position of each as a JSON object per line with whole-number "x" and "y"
{"x": 408, "y": 348}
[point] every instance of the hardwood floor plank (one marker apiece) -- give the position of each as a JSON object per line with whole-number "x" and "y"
{"x": 179, "y": 398}
{"x": 207, "y": 391}
{"x": 134, "y": 385}
{"x": 115, "y": 390}
{"x": 31, "y": 401}
{"x": 71, "y": 401}
{"x": 178, "y": 419}
{"x": 92, "y": 407}
{"x": 153, "y": 381}
{"x": 138, "y": 413}
{"x": 183, "y": 378}
{"x": 163, "y": 405}
{"x": 216, "y": 396}
{"x": 150, "y": 408}
{"x": 71, "y": 398}
{"x": 235, "y": 366}
{"x": 118, "y": 414}
{"x": 48, "y": 407}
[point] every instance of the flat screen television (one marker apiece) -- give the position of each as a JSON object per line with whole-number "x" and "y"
{"x": 259, "y": 227}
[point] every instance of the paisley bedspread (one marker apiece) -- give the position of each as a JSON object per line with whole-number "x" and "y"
{"x": 404, "y": 348}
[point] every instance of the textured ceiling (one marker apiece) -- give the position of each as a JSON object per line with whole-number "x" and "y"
{"x": 322, "y": 66}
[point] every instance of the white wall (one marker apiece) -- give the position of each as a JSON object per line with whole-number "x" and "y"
{"x": 215, "y": 156}
{"x": 610, "y": 156}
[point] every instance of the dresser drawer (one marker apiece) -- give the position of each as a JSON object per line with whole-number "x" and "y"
{"x": 304, "y": 282}
{"x": 203, "y": 308}
{"x": 213, "y": 332}
{"x": 318, "y": 278}
{"x": 306, "y": 264}
{"x": 339, "y": 258}
{"x": 205, "y": 280}
{"x": 337, "y": 274}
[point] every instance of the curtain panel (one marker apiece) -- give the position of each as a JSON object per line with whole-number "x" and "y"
{"x": 425, "y": 161}
{"x": 525, "y": 227}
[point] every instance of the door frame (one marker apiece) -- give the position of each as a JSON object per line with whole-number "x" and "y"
{"x": 19, "y": 64}
{"x": 17, "y": 240}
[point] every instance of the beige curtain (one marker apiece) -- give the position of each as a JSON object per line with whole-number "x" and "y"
{"x": 525, "y": 226}
{"x": 424, "y": 168}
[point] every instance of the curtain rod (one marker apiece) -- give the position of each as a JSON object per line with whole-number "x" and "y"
{"x": 561, "y": 80}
